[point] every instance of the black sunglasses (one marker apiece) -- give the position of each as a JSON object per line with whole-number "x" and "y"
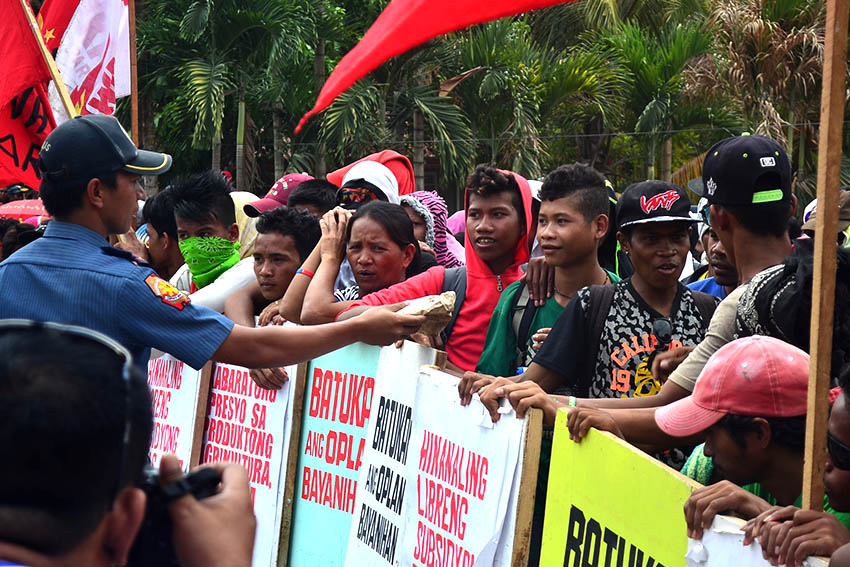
{"x": 73, "y": 331}
{"x": 839, "y": 453}
{"x": 662, "y": 328}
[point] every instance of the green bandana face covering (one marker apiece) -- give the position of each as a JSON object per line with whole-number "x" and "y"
{"x": 208, "y": 258}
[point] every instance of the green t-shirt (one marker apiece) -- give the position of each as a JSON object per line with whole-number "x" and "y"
{"x": 499, "y": 357}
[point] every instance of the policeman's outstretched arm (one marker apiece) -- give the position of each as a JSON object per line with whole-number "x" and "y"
{"x": 268, "y": 347}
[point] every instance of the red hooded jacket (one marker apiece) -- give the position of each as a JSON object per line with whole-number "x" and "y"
{"x": 394, "y": 161}
{"x": 483, "y": 289}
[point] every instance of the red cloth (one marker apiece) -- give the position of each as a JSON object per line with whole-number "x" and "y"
{"x": 21, "y": 63}
{"x": 404, "y": 24}
{"x": 24, "y": 124}
{"x": 482, "y": 292}
{"x": 394, "y": 161}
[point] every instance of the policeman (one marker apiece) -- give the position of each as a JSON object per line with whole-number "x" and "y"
{"x": 90, "y": 173}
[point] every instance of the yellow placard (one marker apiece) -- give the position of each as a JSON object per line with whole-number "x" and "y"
{"x": 611, "y": 505}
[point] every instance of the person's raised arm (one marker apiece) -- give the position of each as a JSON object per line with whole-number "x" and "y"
{"x": 293, "y": 299}
{"x": 241, "y": 304}
{"x": 269, "y": 347}
{"x": 320, "y": 305}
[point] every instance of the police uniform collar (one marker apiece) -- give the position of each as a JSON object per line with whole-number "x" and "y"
{"x": 68, "y": 230}
{"x": 124, "y": 254}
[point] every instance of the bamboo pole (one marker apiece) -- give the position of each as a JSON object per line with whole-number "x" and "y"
{"x": 48, "y": 59}
{"x": 826, "y": 229}
{"x": 134, "y": 76}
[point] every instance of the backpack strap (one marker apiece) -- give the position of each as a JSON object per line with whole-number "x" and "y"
{"x": 599, "y": 304}
{"x": 706, "y": 304}
{"x": 522, "y": 310}
{"x": 454, "y": 280}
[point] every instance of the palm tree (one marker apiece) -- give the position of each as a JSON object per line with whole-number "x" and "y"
{"x": 656, "y": 103}
{"x": 766, "y": 59}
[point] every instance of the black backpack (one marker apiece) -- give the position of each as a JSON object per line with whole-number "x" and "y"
{"x": 454, "y": 280}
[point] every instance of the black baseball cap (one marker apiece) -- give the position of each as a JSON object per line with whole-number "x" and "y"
{"x": 94, "y": 144}
{"x": 746, "y": 170}
{"x": 653, "y": 201}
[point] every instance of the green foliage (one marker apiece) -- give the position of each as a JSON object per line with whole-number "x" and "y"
{"x": 606, "y": 82}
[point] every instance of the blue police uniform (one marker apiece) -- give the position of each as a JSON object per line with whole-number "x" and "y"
{"x": 71, "y": 275}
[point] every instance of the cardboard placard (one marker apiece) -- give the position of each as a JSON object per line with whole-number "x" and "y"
{"x": 609, "y": 503}
{"x": 249, "y": 425}
{"x": 438, "y": 479}
{"x": 179, "y": 395}
{"x": 723, "y": 545}
{"x": 337, "y": 403}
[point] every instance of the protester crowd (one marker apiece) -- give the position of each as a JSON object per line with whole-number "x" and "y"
{"x": 682, "y": 329}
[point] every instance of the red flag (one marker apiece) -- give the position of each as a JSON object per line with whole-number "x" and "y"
{"x": 24, "y": 124}
{"x": 92, "y": 42}
{"x": 404, "y": 24}
{"x": 53, "y": 19}
{"x": 21, "y": 63}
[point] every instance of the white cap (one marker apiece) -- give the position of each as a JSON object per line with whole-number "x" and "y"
{"x": 378, "y": 175}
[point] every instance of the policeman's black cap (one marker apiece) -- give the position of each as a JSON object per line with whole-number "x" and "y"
{"x": 745, "y": 171}
{"x": 86, "y": 146}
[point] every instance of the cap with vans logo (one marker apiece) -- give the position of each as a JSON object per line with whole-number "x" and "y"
{"x": 746, "y": 170}
{"x": 86, "y": 146}
{"x": 653, "y": 201}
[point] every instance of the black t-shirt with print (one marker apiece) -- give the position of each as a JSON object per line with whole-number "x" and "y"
{"x": 621, "y": 367}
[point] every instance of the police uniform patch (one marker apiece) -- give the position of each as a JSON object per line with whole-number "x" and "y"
{"x": 169, "y": 294}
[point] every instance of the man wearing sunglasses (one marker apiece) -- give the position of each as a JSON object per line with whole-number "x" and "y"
{"x": 788, "y": 534}
{"x": 91, "y": 170}
{"x": 750, "y": 405}
{"x": 69, "y": 491}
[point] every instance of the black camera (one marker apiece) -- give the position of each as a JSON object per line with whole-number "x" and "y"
{"x": 154, "y": 545}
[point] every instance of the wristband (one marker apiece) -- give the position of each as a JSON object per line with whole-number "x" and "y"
{"x": 307, "y": 273}
{"x": 571, "y": 401}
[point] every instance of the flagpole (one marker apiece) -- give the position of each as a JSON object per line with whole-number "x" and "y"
{"x": 830, "y": 136}
{"x": 51, "y": 64}
{"x": 134, "y": 77}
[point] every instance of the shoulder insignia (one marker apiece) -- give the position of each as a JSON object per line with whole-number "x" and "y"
{"x": 169, "y": 294}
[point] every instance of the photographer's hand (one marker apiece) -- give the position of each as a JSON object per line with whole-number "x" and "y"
{"x": 215, "y": 531}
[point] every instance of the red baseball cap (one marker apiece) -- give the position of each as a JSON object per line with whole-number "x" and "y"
{"x": 277, "y": 195}
{"x": 754, "y": 376}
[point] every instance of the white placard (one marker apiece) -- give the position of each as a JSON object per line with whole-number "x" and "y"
{"x": 175, "y": 387}
{"x": 436, "y": 479}
{"x": 249, "y": 425}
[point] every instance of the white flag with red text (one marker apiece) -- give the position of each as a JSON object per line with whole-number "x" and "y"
{"x": 94, "y": 58}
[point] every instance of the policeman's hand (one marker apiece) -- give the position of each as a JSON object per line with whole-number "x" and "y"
{"x": 471, "y": 383}
{"x": 383, "y": 326}
{"x": 540, "y": 336}
{"x": 216, "y": 531}
{"x": 720, "y": 498}
{"x": 666, "y": 362}
{"x": 791, "y": 535}
{"x": 540, "y": 279}
{"x": 269, "y": 378}
{"x": 522, "y": 396}
{"x": 581, "y": 419}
